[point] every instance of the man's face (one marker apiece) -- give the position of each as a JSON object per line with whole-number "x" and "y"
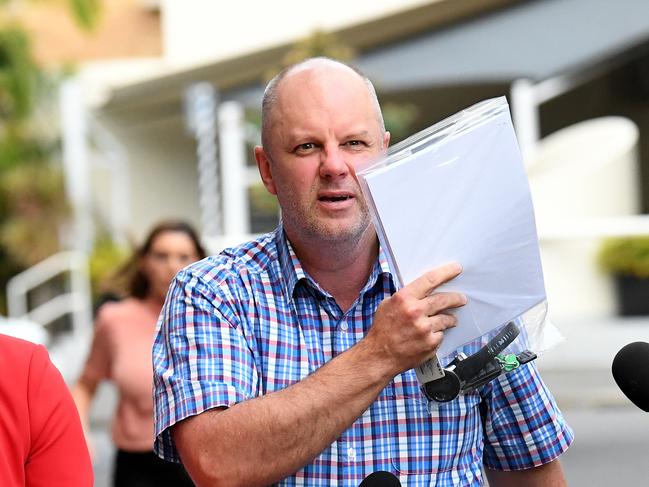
{"x": 323, "y": 126}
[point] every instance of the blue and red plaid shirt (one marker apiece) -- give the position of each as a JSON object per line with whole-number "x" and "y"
{"x": 250, "y": 321}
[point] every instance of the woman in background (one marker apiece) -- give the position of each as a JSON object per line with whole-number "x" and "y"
{"x": 121, "y": 352}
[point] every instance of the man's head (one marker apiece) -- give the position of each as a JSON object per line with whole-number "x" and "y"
{"x": 320, "y": 120}
{"x": 270, "y": 93}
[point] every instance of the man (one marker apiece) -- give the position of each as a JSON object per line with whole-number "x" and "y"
{"x": 289, "y": 359}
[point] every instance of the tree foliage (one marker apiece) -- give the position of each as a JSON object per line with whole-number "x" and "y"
{"x": 319, "y": 43}
{"x": 18, "y": 75}
{"x": 33, "y": 208}
{"x": 85, "y": 12}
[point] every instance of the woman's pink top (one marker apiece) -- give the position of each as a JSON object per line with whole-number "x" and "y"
{"x": 121, "y": 352}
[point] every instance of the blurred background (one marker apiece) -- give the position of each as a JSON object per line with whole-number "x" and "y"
{"x": 118, "y": 114}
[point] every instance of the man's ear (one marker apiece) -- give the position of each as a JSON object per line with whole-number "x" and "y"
{"x": 263, "y": 164}
{"x": 386, "y": 139}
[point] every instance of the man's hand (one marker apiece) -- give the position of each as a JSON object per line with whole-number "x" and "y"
{"x": 409, "y": 326}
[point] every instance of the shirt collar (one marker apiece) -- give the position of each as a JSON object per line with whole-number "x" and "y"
{"x": 289, "y": 264}
{"x": 384, "y": 267}
{"x": 381, "y": 269}
{"x": 292, "y": 271}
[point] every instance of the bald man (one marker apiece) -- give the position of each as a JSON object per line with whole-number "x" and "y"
{"x": 289, "y": 359}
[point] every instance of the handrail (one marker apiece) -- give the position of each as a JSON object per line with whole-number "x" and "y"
{"x": 77, "y": 302}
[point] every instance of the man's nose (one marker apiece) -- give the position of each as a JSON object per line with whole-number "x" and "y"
{"x": 333, "y": 163}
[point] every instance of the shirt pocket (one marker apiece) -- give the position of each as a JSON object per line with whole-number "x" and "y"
{"x": 427, "y": 438}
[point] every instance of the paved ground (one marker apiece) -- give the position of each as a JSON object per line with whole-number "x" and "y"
{"x": 102, "y": 447}
{"x": 610, "y": 448}
{"x": 611, "y": 434}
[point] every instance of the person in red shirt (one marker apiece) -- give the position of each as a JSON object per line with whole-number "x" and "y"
{"x": 41, "y": 439}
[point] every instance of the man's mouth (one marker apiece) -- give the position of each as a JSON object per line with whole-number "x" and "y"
{"x": 335, "y": 198}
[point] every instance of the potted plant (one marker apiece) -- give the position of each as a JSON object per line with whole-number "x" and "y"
{"x": 627, "y": 260}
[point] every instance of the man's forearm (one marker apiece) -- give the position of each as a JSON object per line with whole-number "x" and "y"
{"x": 548, "y": 475}
{"x": 265, "y": 439}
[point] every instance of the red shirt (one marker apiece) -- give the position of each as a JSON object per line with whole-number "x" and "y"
{"x": 41, "y": 439}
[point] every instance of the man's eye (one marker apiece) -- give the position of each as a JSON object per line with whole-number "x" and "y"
{"x": 306, "y": 147}
{"x": 355, "y": 143}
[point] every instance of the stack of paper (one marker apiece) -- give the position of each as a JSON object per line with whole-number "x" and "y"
{"x": 459, "y": 192}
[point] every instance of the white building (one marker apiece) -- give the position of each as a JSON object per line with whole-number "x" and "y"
{"x": 559, "y": 61}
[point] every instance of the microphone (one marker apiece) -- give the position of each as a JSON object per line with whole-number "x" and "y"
{"x": 631, "y": 373}
{"x": 380, "y": 479}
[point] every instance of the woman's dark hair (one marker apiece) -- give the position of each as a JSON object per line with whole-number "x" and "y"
{"x": 138, "y": 284}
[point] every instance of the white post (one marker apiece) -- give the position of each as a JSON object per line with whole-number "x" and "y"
{"x": 236, "y": 217}
{"x": 114, "y": 157}
{"x": 81, "y": 297}
{"x": 525, "y": 115}
{"x": 200, "y": 117}
{"x": 75, "y": 163}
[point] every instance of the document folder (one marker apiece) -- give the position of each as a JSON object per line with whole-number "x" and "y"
{"x": 458, "y": 191}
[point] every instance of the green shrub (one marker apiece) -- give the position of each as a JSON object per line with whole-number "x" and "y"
{"x": 625, "y": 256}
{"x": 106, "y": 260}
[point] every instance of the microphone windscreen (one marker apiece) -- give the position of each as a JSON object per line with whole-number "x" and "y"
{"x": 631, "y": 373}
{"x": 380, "y": 479}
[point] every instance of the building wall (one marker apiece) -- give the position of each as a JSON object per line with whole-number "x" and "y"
{"x": 205, "y": 30}
{"x": 162, "y": 170}
{"x": 126, "y": 29}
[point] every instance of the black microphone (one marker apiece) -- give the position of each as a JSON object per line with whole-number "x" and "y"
{"x": 380, "y": 479}
{"x": 631, "y": 373}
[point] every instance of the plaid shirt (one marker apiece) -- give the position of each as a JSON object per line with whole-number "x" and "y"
{"x": 250, "y": 321}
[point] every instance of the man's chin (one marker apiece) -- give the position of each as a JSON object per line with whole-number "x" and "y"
{"x": 338, "y": 232}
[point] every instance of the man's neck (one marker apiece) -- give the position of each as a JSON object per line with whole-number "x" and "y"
{"x": 341, "y": 269}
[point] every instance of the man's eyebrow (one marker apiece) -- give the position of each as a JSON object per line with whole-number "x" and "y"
{"x": 302, "y": 136}
{"x": 360, "y": 133}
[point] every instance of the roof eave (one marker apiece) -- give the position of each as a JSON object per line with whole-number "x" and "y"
{"x": 250, "y": 68}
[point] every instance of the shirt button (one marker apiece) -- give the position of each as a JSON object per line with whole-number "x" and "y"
{"x": 351, "y": 453}
{"x": 343, "y": 326}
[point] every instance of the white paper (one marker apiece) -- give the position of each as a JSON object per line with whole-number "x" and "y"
{"x": 464, "y": 198}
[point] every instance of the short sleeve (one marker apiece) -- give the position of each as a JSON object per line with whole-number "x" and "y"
{"x": 523, "y": 425}
{"x": 58, "y": 454}
{"x": 201, "y": 358}
{"x": 97, "y": 366}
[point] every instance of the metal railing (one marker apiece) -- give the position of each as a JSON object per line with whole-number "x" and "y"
{"x": 76, "y": 302}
